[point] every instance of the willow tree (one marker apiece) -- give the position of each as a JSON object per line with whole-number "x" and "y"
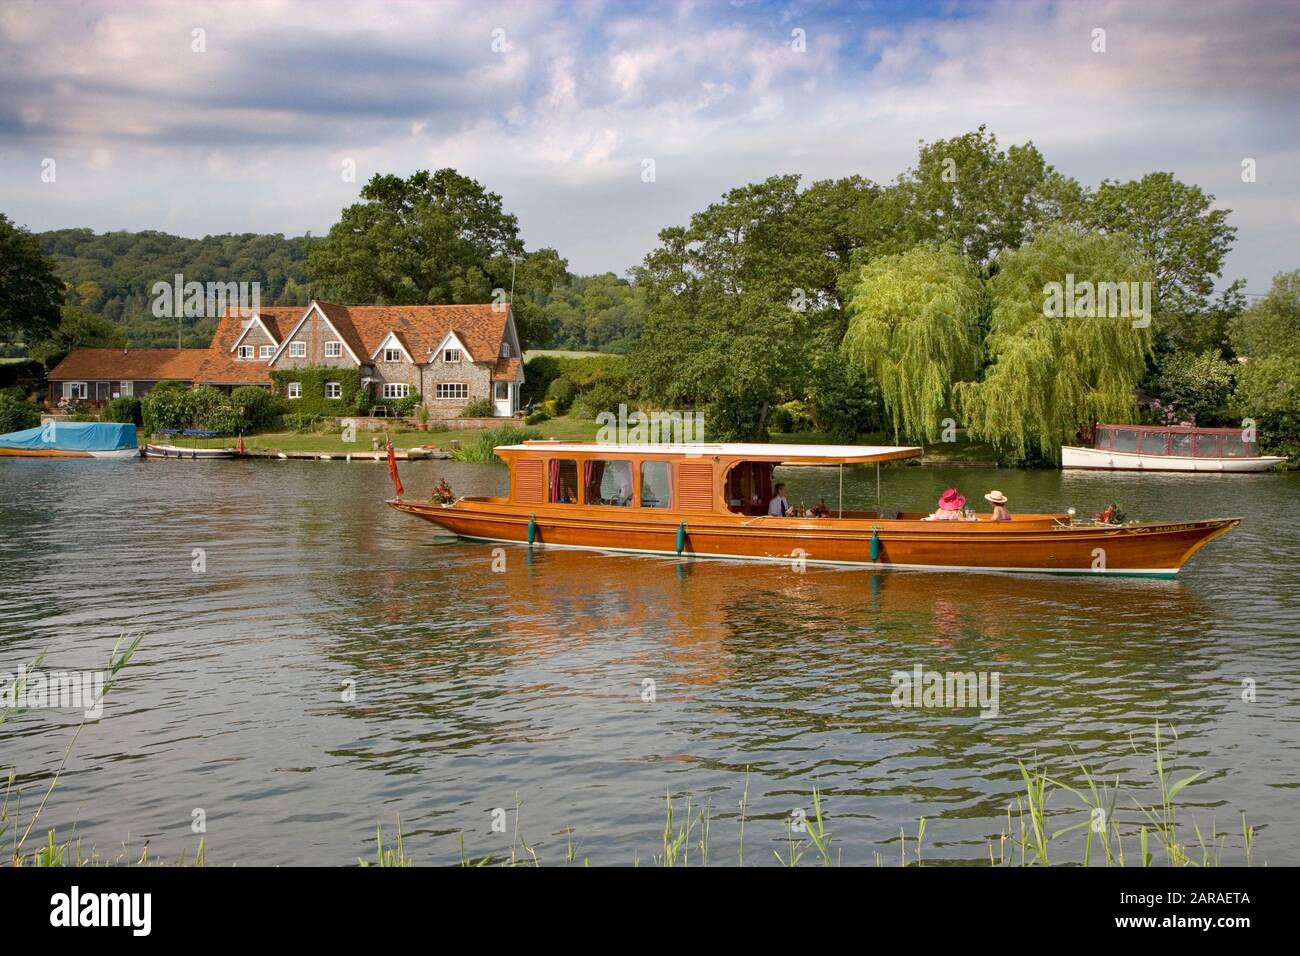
{"x": 1068, "y": 340}
{"x": 914, "y": 326}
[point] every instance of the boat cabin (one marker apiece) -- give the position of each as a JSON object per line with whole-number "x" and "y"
{"x": 1178, "y": 441}
{"x": 725, "y": 478}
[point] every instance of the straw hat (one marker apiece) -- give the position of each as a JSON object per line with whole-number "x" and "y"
{"x": 997, "y": 497}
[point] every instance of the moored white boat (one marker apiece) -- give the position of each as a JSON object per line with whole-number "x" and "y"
{"x": 1172, "y": 448}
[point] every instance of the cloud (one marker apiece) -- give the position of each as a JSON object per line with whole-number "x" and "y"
{"x": 250, "y": 133}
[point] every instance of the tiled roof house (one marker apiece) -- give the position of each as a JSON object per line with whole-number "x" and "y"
{"x": 449, "y": 354}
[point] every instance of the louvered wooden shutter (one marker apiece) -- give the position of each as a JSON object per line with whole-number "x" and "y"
{"x": 695, "y": 486}
{"x": 530, "y": 481}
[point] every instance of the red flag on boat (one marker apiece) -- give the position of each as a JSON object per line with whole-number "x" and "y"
{"x": 241, "y": 444}
{"x": 392, "y": 470}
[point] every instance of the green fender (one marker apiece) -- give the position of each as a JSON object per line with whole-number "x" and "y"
{"x": 532, "y": 528}
{"x": 875, "y": 544}
{"x": 681, "y": 537}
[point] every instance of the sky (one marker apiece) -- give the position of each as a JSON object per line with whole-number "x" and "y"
{"x": 203, "y": 118}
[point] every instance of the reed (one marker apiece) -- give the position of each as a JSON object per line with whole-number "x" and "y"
{"x": 479, "y": 451}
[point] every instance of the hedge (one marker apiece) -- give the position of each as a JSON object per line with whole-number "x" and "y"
{"x": 583, "y": 372}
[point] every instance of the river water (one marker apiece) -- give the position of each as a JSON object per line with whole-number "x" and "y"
{"x": 334, "y": 666}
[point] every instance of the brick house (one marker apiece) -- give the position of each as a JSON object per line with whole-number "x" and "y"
{"x": 449, "y": 354}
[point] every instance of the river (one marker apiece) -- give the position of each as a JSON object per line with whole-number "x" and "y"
{"x": 314, "y": 666}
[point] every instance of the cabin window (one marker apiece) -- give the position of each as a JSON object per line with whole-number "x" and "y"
{"x": 1124, "y": 440}
{"x": 451, "y": 355}
{"x": 607, "y": 483}
{"x": 563, "y": 481}
{"x": 395, "y": 389}
{"x": 656, "y": 484}
{"x": 333, "y": 349}
{"x": 265, "y": 351}
{"x": 297, "y": 350}
{"x": 295, "y": 389}
{"x": 749, "y": 487}
{"x": 1207, "y": 446}
{"x": 451, "y": 390}
{"x": 245, "y": 351}
{"x": 333, "y": 390}
{"x": 1235, "y": 446}
{"x": 1155, "y": 443}
{"x": 1180, "y": 443}
{"x": 392, "y": 355}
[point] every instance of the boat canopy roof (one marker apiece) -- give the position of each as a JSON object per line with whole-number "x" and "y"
{"x": 72, "y": 436}
{"x": 785, "y": 454}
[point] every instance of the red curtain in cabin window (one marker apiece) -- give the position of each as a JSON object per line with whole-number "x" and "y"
{"x": 593, "y": 473}
{"x": 555, "y": 479}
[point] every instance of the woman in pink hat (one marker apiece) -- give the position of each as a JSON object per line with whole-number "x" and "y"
{"x": 951, "y": 502}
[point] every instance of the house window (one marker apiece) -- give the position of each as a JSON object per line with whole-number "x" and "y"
{"x": 295, "y": 389}
{"x": 333, "y": 390}
{"x": 333, "y": 349}
{"x": 245, "y": 351}
{"x": 505, "y": 350}
{"x": 563, "y": 483}
{"x": 607, "y": 483}
{"x": 101, "y": 391}
{"x": 74, "y": 390}
{"x": 396, "y": 389}
{"x": 451, "y": 355}
{"x": 126, "y": 388}
{"x": 265, "y": 351}
{"x": 392, "y": 355}
{"x": 452, "y": 390}
{"x": 297, "y": 350}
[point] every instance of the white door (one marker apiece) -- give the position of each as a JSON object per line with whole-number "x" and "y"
{"x": 501, "y": 396}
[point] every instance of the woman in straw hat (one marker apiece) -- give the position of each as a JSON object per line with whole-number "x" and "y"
{"x": 999, "y": 502}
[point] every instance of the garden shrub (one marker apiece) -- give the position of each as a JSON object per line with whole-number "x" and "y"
{"x": 125, "y": 409}
{"x": 479, "y": 408}
{"x": 16, "y": 414}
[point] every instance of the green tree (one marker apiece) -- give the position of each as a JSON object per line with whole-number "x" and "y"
{"x": 1053, "y": 375}
{"x": 31, "y": 293}
{"x": 433, "y": 238}
{"x": 1186, "y": 241}
{"x": 1267, "y": 338}
{"x": 914, "y": 327}
{"x": 968, "y": 192}
{"x": 78, "y": 329}
{"x": 1197, "y": 384}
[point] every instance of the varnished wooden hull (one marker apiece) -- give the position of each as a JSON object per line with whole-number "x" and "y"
{"x": 1039, "y": 544}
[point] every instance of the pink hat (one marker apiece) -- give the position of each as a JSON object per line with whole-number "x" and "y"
{"x": 952, "y": 500}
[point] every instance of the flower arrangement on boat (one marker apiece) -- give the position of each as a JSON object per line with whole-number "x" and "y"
{"x": 1111, "y": 514}
{"x": 442, "y": 493}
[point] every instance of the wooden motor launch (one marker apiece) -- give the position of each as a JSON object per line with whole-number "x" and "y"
{"x": 711, "y": 501}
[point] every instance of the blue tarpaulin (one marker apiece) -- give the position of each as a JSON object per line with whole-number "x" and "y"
{"x": 73, "y": 436}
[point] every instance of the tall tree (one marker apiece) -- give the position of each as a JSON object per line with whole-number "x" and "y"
{"x": 1054, "y": 374}
{"x": 968, "y": 192}
{"x": 31, "y": 294}
{"x": 78, "y": 329}
{"x": 1267, "y": 337}
{"x": 433, "y": 238}
{"x": 1186, "y": 240}
{"x": 914, "y": 326}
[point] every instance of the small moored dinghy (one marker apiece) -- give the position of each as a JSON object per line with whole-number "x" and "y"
{"x": 56, "y": 439}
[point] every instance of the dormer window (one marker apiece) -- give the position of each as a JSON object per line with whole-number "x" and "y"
{"x": 451, "y": 355}
{"x": 392, "y": 355}
{"x": 505, "y": 350}
{"x": 333, "y": 349}
{"x": 265, "y": 351}
{"x": 245, "y": 352}
{"x": 297, "y": 350}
